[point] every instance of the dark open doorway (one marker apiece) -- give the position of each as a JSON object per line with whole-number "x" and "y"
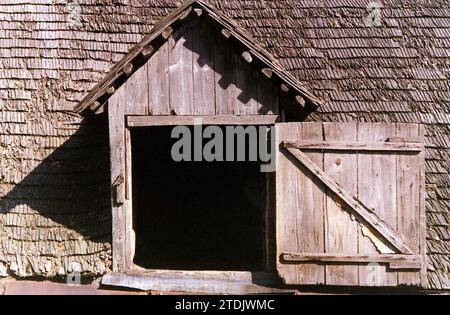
{"x": 195, "y": 215}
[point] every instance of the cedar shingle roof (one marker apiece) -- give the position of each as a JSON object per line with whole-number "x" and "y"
{"x": 397, "y": 72}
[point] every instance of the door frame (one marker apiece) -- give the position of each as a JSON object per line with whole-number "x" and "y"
{"x": 123, "y": 239}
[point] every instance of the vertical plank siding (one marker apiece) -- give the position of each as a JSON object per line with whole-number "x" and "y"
{"x": 377, "y": 190}
{"x": 246, "y": 84}
{"x": 288, "y": 198}
{"x": 313, "y": 234}
{"x": 423, "y": 222}
{"x": 267, "y": 96}
{"x": 130, "y": 237}
{"x": 158, "y": 82}
{"x": 203, "y": 73}
{"x": 198, "y": 72}
{"x": 116, "y": 117}
{"x": 136, "y": 92}
{"x": 181, "y": 72}
{"x": 342, "y": 233}
{"x": 311, "y": 219}
{"x": 224, "y": 78}
{"x": 408, "y": 184}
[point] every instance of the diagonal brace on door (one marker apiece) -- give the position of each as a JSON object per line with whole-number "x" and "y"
{"x": 360, "y": 209}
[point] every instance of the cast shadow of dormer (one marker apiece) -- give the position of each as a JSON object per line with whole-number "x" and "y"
{"x": 70, "y": 188}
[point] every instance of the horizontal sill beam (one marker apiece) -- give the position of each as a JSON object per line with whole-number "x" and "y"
{"x": 395, "y": 261}
{"x": 196, "y": 282}
{"x": 146, "y": 121}
{"x": 355, "y": 146}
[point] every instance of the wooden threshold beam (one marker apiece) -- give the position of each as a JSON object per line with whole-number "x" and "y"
{"x": 355, "y": 205}
{"x": 145, "y": 121}
{"x": 395, "y": 261}
{"x": 355, "y": 146}
{"x": 197, "y": 282}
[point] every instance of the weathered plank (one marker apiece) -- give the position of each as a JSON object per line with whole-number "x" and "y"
{"x": 130, "y": 240}
{"x": 195, "y": 282}
{"x": 376, "y": 190}
{"x": 224, "y": 78}
{"x": 116, "y": 124}
{"x": 396, "y": 261}
{"x": 144, "y": 121}
{"x": 269, "y": 222}
{"x": 137, "y": 93}
{"x": 33, "y": 287}
{"x": 181, "y": 72}
{"x": 203, "y": 59}
{"x": 158, "y": 81}
{"x": 408, "y": 201}
{"x": 288, "y": 205}
{"x": 246, "y": 87}
{"x": 342, "y": 231}
{"x": 312, "y": 210}
{"x": 422, "y": 222}
{"x": 357, "y": 146}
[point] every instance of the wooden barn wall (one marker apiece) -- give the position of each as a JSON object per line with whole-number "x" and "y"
{"x": 198, "y": 72}
{"x": 55, "y": 214}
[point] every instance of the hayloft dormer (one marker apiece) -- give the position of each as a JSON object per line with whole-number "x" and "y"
{"x": 314, "y": 218}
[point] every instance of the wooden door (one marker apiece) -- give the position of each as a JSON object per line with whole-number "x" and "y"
{"x": 350, "y": 204}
